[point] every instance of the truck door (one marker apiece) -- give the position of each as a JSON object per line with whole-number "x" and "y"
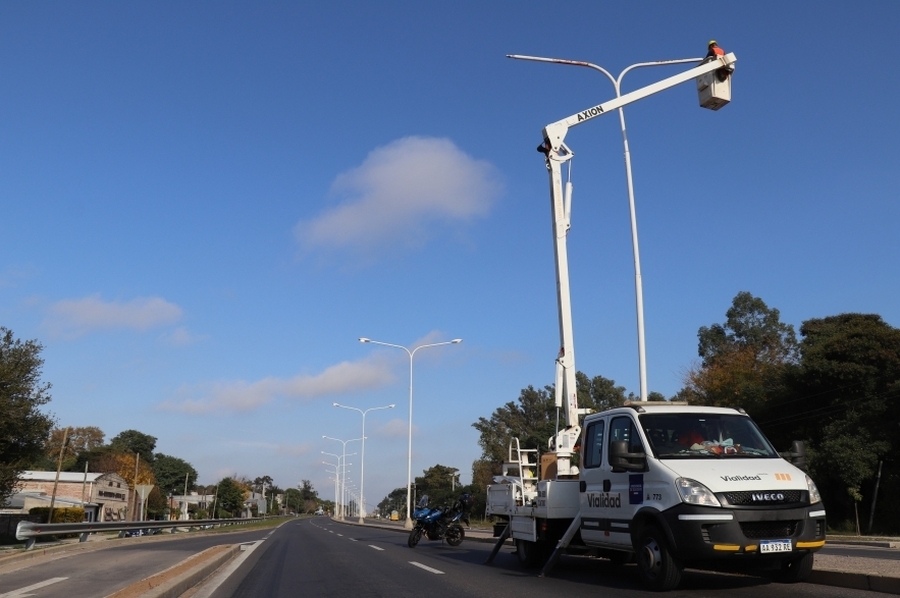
{"x": 610, "y": 498}
{"x": 593, "y": 531}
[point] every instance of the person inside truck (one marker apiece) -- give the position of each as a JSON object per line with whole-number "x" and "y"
{"x": 689, "y": 436}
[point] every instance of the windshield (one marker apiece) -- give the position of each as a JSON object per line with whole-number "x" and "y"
{"x": 697, "y": 435}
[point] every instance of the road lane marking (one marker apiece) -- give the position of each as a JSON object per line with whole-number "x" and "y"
{"x": 353, "y": 539}
{"x": 376, "y": 547}
{"x": 20, "y": 593}
{"x": 207, "y": 589}
{"x": 341, "y": 535}
{"x": 426, "y": 567}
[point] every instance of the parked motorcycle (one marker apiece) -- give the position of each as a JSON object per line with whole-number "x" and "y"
{"x": 441, "y": 523}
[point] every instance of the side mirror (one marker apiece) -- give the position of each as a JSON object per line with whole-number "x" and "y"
{"x": 797, "y": 455}
{"x": 621, "y": 460}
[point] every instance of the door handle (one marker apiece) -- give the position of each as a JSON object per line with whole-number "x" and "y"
{"x": 607, "y": 485}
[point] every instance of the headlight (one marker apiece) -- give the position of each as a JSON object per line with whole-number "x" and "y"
{"x": 814, "y": 495}
{"x": 694, "y": 493}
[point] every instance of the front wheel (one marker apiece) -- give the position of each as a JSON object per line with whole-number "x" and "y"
{"x": 414, "y": 536}
{"x": 659, "y": 570}
{"x": 455, "y": 535}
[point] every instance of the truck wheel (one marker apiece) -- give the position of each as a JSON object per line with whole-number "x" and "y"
{"x": 530, "y": 553}
{"x": 414, "y": 536}
{"x": 455, "y": 535}
{"x": 796, "y": 570}
{"x": 659, "y": 570}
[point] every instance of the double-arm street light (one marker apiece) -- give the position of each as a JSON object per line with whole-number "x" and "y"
{"x": 411, "y": 353}
{"x": 362, "y": 469}
{"x": 344, "y": 461}
{"x": 638, "y": 285}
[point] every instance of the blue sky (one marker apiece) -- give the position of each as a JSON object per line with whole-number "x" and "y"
{"x": 205, "y": 205}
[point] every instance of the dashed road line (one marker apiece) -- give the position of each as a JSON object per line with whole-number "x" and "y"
{"x": 426, "y": 567}
{"x": 376, "y": 547}
{"x": 27, "y": 591}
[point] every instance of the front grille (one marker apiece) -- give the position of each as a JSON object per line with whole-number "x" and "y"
{"x": 766, "y": 497}
{"x": 762, "y": 530}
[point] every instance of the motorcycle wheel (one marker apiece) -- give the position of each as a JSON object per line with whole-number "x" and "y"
{"x": 455, "y": 535}
{"x": 414, "y": 536}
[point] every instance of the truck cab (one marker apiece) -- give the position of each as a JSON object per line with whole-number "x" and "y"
{"x": 680, "y": 485}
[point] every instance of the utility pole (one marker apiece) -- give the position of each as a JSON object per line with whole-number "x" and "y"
{"x": 62, "y": 451}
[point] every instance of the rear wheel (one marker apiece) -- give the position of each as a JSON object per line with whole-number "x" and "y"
{"x": 455, "y": 535}
{"x": 659, "y": 570}
{"x": 796, "y": 570}
{"x": 414, "y": 536}
{"x": 531, "y": 554}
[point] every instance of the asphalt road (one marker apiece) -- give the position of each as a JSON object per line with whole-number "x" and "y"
{"x": 98, "y": 573}
{"x": 320, "y": 558}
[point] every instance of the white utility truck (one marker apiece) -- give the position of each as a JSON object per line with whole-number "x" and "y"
{"x": 670, "y": 485}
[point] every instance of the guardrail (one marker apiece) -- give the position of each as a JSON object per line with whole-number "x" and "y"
{"x": 29, "y": 532}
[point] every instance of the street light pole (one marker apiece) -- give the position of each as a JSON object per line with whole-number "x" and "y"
{"x": 362, "y": 468}
{"x": 638, "y": 284}
{"x": 411, "y": 353}
{"x": 344, "y": 459}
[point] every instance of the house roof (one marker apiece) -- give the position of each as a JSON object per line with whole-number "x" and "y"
{"x": 64, "y": 476}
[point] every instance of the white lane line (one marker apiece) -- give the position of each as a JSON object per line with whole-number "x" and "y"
{"x": 426, "y": 567}
{"x": 341, "y": 535}
{"x": 21, "y": 592}
{"x": 353, "y": 539}
{"x": 213, "y": 584}
{"x": 376, "y": 547}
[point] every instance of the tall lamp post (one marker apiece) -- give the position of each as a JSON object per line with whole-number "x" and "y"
{"x": 344, "y": 460}
{"x": 337, "y": 469}
{"x": 638, "y": 285}
{"x": 362, "y": 468}
{"x": 411, "y": 353}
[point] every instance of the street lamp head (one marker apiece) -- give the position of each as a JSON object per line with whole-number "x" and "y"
{"x": 363, "y": 339}
{"x": 456, "y": 341}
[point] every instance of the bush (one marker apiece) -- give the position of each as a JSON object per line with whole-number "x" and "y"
{"x": 68, "y": 515}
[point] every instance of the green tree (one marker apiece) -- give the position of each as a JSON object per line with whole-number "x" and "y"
{"x": 743, "y": 361}
{"x": 132, "y": 441}
{"x": 438, "y": 482}
{"x": 170, "y": 474}
{"x": 231, "y": 497}
{"x": 845, "y": 402}
{"x": 394, "y": 501}
{"x": 23, "y": 428}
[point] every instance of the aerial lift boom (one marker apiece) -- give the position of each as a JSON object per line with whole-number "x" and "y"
{"x": 557, "y": 153}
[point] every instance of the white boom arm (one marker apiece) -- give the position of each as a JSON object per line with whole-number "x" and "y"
{"x": 557, "y": 154}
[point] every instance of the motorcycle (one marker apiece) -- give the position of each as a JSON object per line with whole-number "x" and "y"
{"x": 441, "y": 523}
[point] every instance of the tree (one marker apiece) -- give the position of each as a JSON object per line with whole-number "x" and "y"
{"x": 132, "y": 441}
{"x": 437, "y": 483}
{"x": 394, "y": 501}
{"x": 80, "y": 440}
{"x": 743, "y": 361}
{"x": 231, "y": 497}
{"x": 170, "y": 474}
{"x": 845, "y": 402}
{"x": 23, "y": 428}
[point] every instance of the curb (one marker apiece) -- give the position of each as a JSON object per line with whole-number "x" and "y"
{"x": 856, "y": 581}
{"x": 183, "y": 582}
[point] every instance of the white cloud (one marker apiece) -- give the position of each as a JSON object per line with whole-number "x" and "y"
{"x": 399, "y": 192}
{"x": 240, "y": 395}
{"x": 181, "y": 336}
{"x": 73, "y": 317}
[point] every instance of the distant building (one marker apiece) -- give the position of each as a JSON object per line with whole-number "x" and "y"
{"x": 104, "y": 496}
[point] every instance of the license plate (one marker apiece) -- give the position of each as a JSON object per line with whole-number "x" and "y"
{"x": 767, "y": 546}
